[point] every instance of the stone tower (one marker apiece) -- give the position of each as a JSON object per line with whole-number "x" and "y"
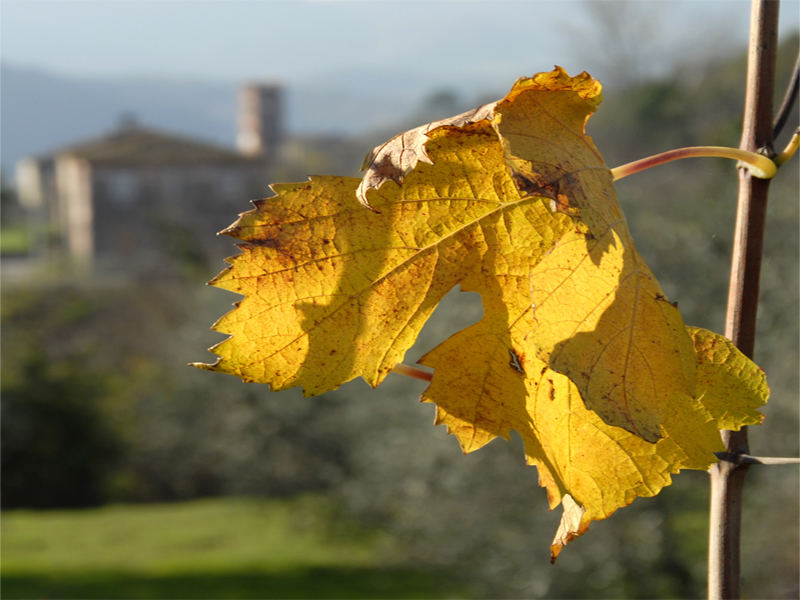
{"x": 259, "y": 120}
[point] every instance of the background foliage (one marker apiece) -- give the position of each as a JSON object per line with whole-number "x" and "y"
{"x": 98, "y": 405}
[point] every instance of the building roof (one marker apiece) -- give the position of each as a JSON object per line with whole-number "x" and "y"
{"x": 136, "y": 145}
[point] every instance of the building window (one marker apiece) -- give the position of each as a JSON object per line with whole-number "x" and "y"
{"x": 122, "y": 188}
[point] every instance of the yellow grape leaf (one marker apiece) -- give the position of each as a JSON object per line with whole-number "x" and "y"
{"x": 729, "y": 385}
{"x": 578, "y": 350}
{"x": 600, "y": 467}
{"x": 601, "y": 316}
{"x": 334, "y": 291}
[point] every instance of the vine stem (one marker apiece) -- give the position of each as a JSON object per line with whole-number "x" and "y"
{"x": 727, "y": 478}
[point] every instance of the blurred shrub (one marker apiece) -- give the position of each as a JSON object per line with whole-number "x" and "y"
{"x": 58, "y": 449}
{"x": 99, "y": 404}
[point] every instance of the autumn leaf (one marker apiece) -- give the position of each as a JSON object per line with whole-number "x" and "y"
{"x": 393, "y": 159}
{"x": 334, "y": 291}
{"x": 729, "y": 385}
{"x": 579, "y": 350}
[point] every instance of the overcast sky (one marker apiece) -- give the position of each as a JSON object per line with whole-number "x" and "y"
{"x": 297, "y": 41}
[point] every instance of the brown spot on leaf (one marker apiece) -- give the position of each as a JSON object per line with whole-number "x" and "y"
{"x": 270, "y": 242}
{"x": 534, "y": 184}
{"x": 559, "y": 191}
{"x": 386, "y": 169}
{"x": 515, "y": 362}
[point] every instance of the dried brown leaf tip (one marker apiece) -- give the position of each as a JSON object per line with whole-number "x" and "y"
{"x": 392, "y": 160}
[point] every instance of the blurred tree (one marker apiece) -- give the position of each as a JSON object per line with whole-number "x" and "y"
{"x": 439, "y": 104}
{"x": 58, "y": 450}
{"x": 15, "y": 238}
{"x": 98, "y": 404}
{"x": 8, "y": 197}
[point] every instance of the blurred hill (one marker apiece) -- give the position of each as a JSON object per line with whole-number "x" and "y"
{"x": 41, "y": 111}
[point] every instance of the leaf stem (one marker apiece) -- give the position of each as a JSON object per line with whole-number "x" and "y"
{"x": 410, "y": 371}
{"x": 759, "y": 165}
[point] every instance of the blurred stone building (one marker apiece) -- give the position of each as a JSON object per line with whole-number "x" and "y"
{"x": 141, "y": 200}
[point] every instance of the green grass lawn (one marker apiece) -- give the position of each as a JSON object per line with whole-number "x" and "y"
{"x": 220, "y": 548}
{"x": 14, "y": 240}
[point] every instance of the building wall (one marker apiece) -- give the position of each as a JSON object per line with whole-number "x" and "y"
{"x": 157, "y": 218}
{"x": 259, "y": 120}
{"x": 30, "y": 183}
{"x": 75, "y": 209}
{"x": 36, "y": 190}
